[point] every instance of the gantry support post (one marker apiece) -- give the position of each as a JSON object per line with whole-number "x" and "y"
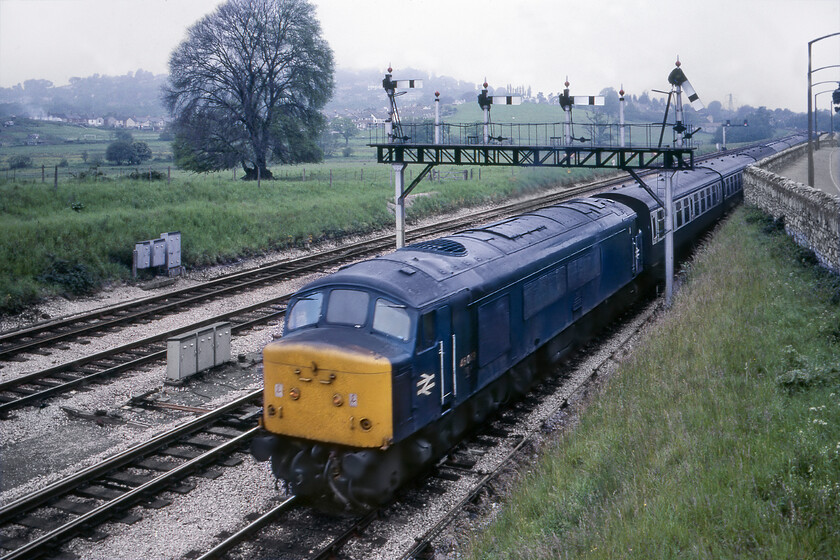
{"x": 400, "y": 194}
{"x": 399, "y": 202}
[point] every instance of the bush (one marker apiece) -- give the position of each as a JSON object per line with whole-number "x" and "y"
{"x": 93, "y": 173}
{"x": 20, "y": 162}
{"x": 75, "y": 278}
{"x": 147, "y": 175}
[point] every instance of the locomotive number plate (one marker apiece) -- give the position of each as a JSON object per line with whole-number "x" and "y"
{"x": 353, "y": 399}
{"x": 278, "y": 390}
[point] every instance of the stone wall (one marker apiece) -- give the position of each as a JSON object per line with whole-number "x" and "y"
{"x": 811, "y": 216}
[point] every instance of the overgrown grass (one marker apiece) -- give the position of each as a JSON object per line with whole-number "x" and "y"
{"x": 719, "y": 438}
{"x": 70, "y": 240}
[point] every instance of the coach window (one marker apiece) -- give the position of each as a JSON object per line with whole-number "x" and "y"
{"x": 658, "y": 225}
{"x": 306, "y": 311}
{"x": 348, "y": 307}
{"x": 678, "y": 212}
{"x": 391, "y": 319}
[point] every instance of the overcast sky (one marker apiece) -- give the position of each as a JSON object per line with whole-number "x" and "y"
{"x": 755, "y": 50}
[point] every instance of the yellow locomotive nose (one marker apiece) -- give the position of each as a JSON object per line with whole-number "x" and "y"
{"x": 321, "y": 392}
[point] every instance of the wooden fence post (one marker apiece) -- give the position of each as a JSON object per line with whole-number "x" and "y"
{"x": 55, "y": 179}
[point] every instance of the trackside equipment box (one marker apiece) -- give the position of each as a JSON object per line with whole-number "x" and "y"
{"x": 196, "y": 351}
{"x": 163, "y": 252}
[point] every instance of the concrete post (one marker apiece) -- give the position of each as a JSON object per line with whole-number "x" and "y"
{"x": 399, "y": 202}
{"x": 669, "y": 237}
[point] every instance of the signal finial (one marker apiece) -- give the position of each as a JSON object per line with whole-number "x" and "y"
{"x": 567, "y": 81}
{"x": 678, "y": 63}
{"x": 621, "y": 91}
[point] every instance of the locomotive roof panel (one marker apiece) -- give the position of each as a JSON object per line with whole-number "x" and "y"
{"x": 427, "y": 271}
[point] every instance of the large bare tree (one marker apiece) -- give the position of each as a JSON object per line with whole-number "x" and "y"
{"x": 246, "y": 87}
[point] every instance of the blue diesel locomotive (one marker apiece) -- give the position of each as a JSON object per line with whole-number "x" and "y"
{"x": 386, "y": 364}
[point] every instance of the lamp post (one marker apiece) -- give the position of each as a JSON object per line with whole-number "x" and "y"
{"x": 810, "y": 129}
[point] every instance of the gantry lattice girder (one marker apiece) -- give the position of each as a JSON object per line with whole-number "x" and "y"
{"x": 536, "y": 156}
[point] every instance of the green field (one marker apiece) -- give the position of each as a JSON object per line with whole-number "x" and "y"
{"x": 718, "y": 438}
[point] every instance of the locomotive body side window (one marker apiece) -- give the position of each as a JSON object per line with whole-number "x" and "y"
{"x": 306, "y": 311}
{"x": 391, "y": 319}
{"x": 543, "y": 291}
{"x": 348, "y": 307}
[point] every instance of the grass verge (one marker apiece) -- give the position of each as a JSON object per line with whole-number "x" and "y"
{"x": 719, "y": 438}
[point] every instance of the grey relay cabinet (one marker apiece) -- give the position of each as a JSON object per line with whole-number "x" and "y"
{"x": 198, "y": 350}
{"x": 163, "y": 252}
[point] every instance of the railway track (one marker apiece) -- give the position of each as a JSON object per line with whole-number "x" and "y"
{"x": 35, "y": 387}
{"x": 39, "y": 523}
{"x": 41, "y": 337}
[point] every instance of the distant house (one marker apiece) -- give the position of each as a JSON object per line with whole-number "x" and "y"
{"x": 131, "y": 123}
{"x": 34, "y": 140}
{"x": 97, "y": 121}
{"x": 114, "y": 122}
{"x": 157, "y": 123}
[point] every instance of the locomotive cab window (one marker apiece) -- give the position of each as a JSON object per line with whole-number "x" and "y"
{"x": 305, "y": 311}
{"x": 348, "y": 307}
{"x": 391, "y": 319}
